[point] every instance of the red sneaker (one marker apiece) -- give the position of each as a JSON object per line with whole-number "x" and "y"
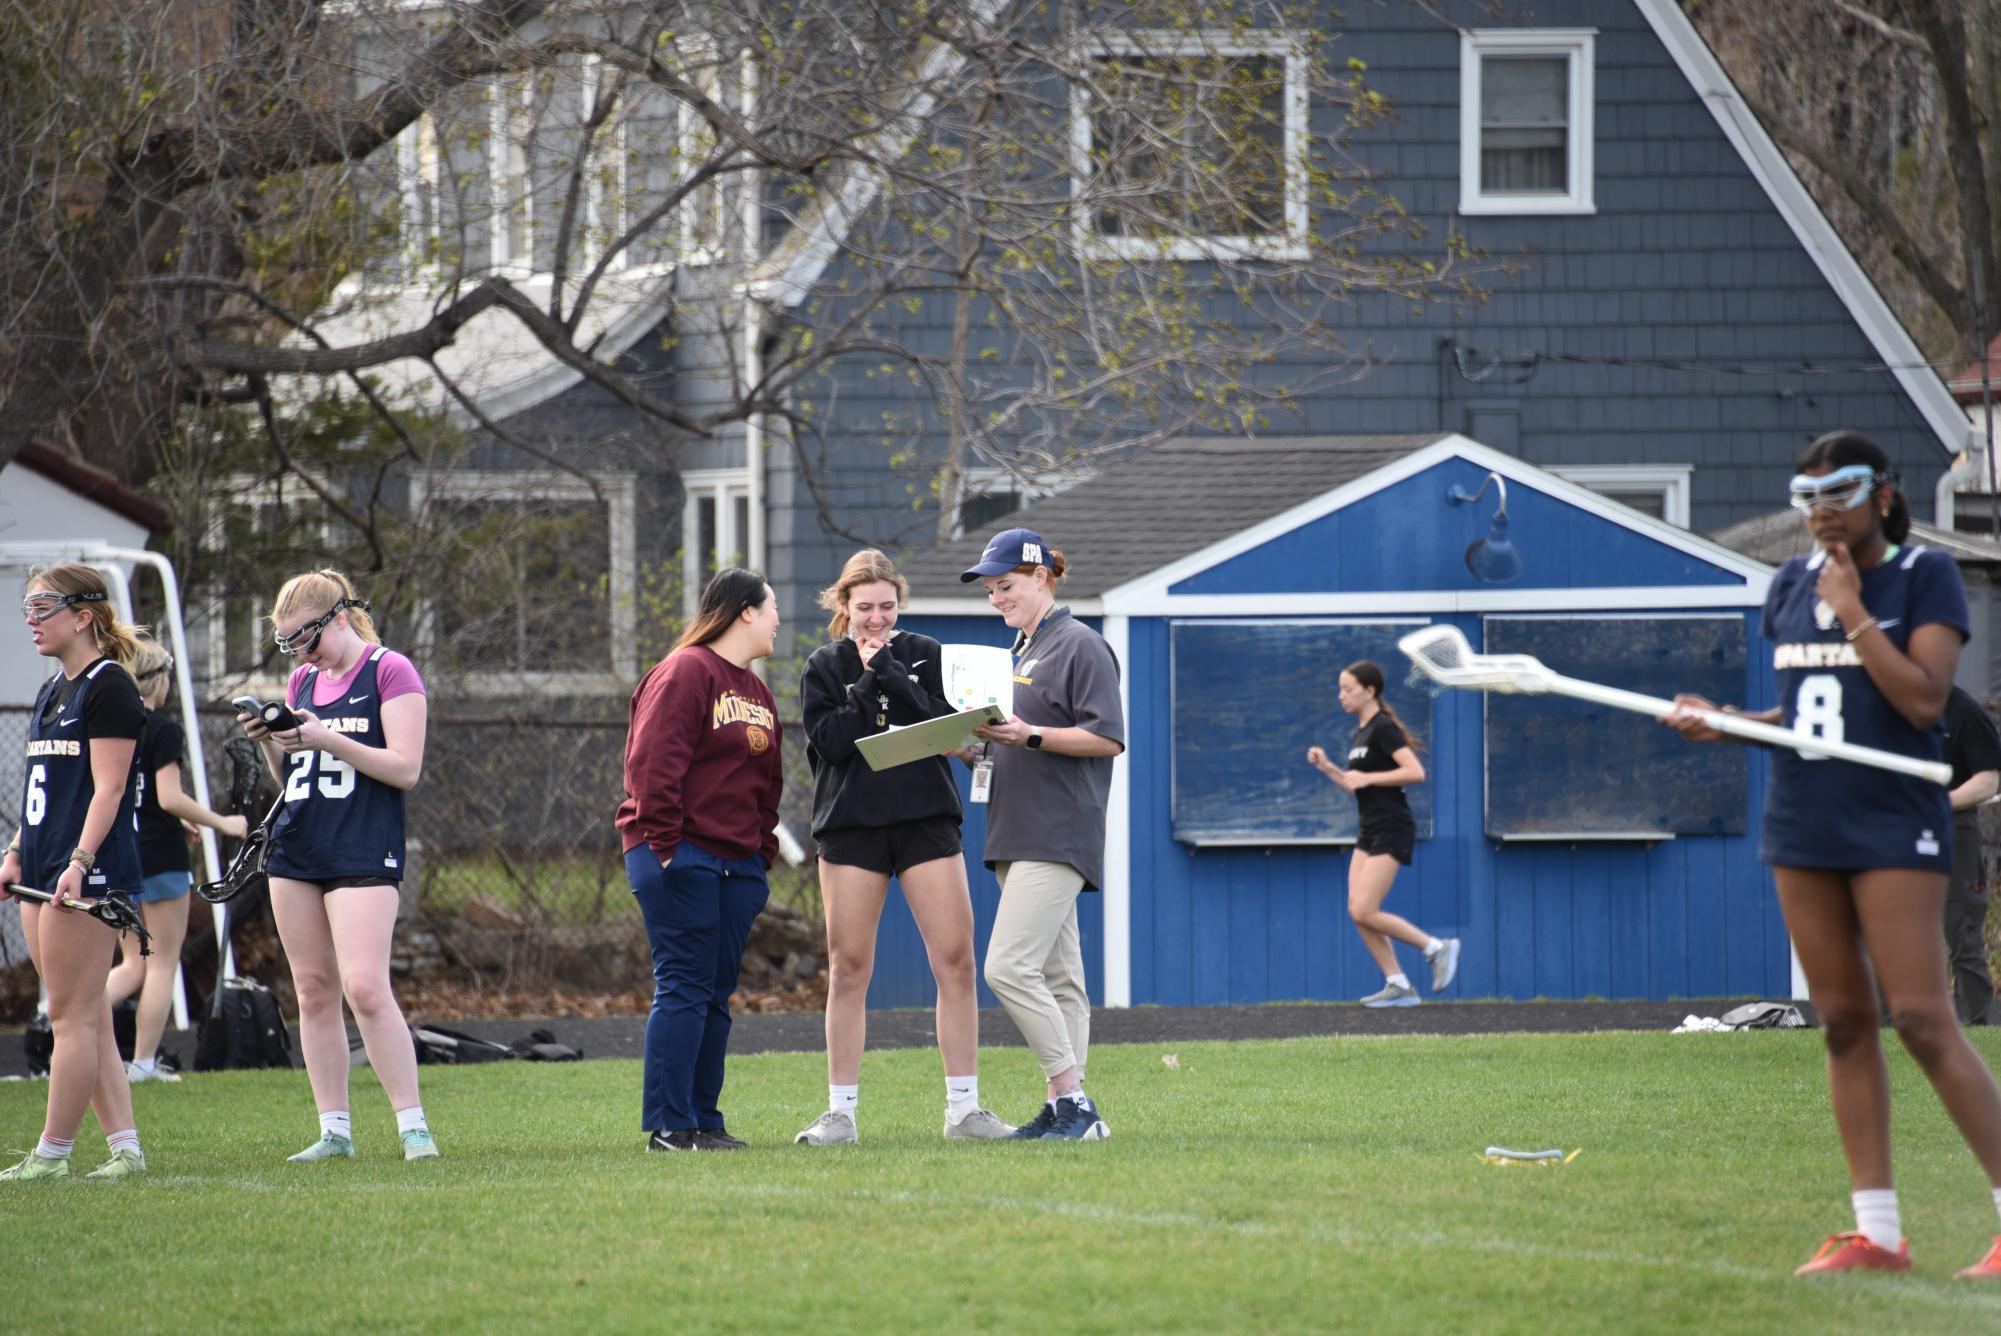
{"x": 1987, "y": 1268}
{"x": 1854, "y": 1252}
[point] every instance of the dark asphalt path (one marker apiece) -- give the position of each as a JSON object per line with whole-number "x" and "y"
{"x": 800, "y": 1032}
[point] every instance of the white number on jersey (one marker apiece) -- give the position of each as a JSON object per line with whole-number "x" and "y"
{"x": 1818, "y": 712}
{"x": 37, "y": 805}
{"x": 336, "y": 776}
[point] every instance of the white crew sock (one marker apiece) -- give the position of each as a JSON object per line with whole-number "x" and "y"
{"x": 1398, "y": 981}
{"x": 148, "y": 1067}
{"x": 411, "y": 1120}
{"x": 843, "y": 1098}
{"x": 1432, "y": 948}
{"x": 962, "y": 1096}
{"x": 337, "y": 1124}
{"x": 1076, "y": 1096}
{"x": 1997, "y": 1201}
{"x": 126, "y": 1140}
{"x": 53, "y": 1148}
{"x": 1876, "y": 1216}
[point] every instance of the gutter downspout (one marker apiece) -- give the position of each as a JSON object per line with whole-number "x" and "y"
{"x": 1944, "y": 499}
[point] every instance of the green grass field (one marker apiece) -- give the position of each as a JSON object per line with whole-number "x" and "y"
{"x": 1326, "y": 1184}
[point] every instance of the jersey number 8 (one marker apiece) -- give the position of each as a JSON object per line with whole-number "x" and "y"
{"x": 1818, "y": 712}
{"x": 336, "y": 776}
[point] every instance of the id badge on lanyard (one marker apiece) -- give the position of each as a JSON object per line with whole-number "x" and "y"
{"x": 983, "y": 780}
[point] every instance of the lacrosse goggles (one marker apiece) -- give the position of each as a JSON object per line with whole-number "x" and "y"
{"x": 306, "y": 638}
{"x": 1844, "y": 489}
{"x": 43, "y": 604}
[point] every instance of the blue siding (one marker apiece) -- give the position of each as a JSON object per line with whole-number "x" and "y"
{"x": 902, "y": 975}
{"x": 1561, "y": 546}
{"x": 1686, "y": 917}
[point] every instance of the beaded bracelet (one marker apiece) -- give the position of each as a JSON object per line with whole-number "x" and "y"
{"x": 1864, "y": 626}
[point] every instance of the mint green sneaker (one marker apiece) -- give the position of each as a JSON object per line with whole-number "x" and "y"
{"x": 36, "y": 1166}
{"x": 417, "y": 1144}
{"x": 122, "y": 1164}
{"x": 328, "y": 1147}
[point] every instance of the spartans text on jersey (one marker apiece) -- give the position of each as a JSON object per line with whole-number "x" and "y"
{"x": 55, "y": 747}
{"x": 1816, "y": 654}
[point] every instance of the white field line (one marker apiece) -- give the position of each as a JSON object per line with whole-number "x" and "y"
{"x": 1958, "y": 1296}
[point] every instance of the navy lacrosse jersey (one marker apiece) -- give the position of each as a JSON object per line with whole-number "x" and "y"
{"x": 101, "y": 701}
{"x": 1825, "y": 813}
{"x": 336, "y": 821}
{"x": 1373, "y": 750}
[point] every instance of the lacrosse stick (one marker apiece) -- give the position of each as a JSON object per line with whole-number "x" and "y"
{"x": 1442, "y": 654}
{"x": 246, "y": 771}
{"x": 113, "y": 910}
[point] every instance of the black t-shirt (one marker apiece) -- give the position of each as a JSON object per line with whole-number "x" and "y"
{"x": 163, "y": 844}
{"x": 114, "y": 710}
{"x": 1374, "y": 749}
{"x": 1971, "y": 742}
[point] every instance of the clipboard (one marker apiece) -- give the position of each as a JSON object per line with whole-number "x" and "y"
{"x": 934, "y": 737}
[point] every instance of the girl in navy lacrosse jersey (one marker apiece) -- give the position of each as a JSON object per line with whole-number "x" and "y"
{"x": 1866, "y": 635}
{"x": 78, "y": 839}
{"x": 336, "y": 860}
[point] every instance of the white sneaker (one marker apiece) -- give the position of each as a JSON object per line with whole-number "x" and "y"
{"x": 1393, "y": 995}
{"x": 137, "y": 1075}
{"x": 829, "y": 1129}
{"x": 1444, "y": 964}
{"x": 979, "y": 1125}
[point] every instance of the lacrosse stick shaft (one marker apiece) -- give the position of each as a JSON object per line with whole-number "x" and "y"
{"x": 1736, "y": 725}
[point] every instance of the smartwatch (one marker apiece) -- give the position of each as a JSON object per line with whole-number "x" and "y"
{"x": 1034, "y": 737}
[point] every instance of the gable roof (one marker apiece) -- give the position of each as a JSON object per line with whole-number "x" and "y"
{"x": 1774, "y": 538}
{"x": 1837, "y": 264}
{"x": 1175, "y": 500}
{"x": 93, "y": 484}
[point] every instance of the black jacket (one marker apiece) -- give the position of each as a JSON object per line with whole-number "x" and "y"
{"x": 841, "y": 701}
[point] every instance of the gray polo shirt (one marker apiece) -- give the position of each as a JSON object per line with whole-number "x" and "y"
{"x": 1049, "y": 808}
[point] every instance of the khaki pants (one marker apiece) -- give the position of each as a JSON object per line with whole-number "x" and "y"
{"x": 1035, "y": 962}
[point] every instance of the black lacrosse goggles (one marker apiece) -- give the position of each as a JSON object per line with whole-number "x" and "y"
{"x": 1844, "y": 489}
{"x": 166, "y": 667}
{"x": 306, "y": 638}
{"x": 39, "y": 607}
{"x": 111, "y": 909}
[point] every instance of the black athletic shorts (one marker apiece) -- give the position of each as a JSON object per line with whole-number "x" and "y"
{"x": 892, "y": 849}
{"x": 325, "y": 884}
{"x": 1398, "y": 841}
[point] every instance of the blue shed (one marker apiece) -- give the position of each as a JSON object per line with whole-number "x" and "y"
{"x": 1578, "y": 851}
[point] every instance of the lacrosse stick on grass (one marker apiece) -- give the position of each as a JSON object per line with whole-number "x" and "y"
{"x": 113, "y": 910}
{"x": 1442, "y": 654}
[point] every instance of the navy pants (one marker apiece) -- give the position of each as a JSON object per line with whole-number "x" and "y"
{"x": 698, "y": 912}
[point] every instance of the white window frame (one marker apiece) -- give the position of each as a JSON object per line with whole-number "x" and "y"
{"x": 1579, "y": 47}
{"x": 256, "y": 491}
{"x": 417, "y": 170}
{"x": 510, "y": 109}
{"x": 619, "y": 492}
{"x": 1292, "y": 245}
{"x": 976, "y": 480}
{"x": 1671, "y": 481}
{"x": 722, "y": 486}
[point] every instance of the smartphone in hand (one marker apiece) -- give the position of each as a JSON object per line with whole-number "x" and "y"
{"x": 274, "y": 716}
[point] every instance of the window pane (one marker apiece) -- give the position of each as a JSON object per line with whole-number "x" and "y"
{"x": 706, "y": 536}
{"x": 1524, "y": 134}
{"x": 739, "y": 552}
{"x": 1190, "y": 146}
{"x": 532, "y": 589}
{"x": 982, "y": 510}
{"x": 1648, "y": 502}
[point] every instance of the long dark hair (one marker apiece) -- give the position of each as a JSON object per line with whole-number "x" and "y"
{"x": 1838, "y": 449}
{"x": 1368, "y": 675}
{"x": 729, "y": 591}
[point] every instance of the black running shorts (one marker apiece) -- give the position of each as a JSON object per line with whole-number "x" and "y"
{"x": 892, "y": 849}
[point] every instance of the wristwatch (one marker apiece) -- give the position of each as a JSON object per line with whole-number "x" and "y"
{"x": 1034, "y": 737}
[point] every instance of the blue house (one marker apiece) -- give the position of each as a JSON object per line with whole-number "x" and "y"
{"x": 1579, "y": 851}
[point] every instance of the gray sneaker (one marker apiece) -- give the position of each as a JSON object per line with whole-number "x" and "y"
{"x": 1393, "y": 995}
{"x": 829, "y": 1129}
{"x": 1444, "y": 964}
{"x": 979, "y": 1125}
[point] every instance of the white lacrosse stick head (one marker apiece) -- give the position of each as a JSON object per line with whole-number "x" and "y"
{"x": 1442, "y": 654}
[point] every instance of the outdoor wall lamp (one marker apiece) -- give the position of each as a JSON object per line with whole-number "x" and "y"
{"x": 1493, "y": 558}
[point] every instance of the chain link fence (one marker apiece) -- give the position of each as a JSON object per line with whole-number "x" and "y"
{"x": 515, "y": 875}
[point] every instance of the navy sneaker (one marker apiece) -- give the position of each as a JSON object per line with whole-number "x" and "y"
{"x": 1077, "y": 1120}
{"x": 716, "y": 1138}
{"x": 1037, "y": 1127}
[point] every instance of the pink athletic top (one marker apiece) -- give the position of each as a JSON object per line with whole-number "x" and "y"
{"x": 396, "y": 675}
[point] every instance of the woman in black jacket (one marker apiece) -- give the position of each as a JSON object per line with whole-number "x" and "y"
{"x": 872, "y": 825}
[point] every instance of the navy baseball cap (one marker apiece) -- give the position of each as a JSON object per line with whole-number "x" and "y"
{"x": 1007, "y": 550}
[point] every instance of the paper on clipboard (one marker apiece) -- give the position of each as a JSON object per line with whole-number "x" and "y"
{"x": 933, "y": 737}
{"x": 977, "y": 675}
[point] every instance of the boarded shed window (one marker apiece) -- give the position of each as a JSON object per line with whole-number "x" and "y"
{"x": 1249, "y": 697}
{"x": 1557, "y": 766}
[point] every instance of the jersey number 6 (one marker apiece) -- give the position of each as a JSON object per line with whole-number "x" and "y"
{"x": 1818, "y": 713}
{"x": 336, "y": 776}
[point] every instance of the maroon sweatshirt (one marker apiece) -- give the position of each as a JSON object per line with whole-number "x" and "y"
{"x": 702, "y": 759}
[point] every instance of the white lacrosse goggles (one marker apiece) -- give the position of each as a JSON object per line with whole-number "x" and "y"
{"x": 1844, "y": 489}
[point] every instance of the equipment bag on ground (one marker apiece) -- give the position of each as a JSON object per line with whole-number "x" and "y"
{"x": 243, "y": 1029}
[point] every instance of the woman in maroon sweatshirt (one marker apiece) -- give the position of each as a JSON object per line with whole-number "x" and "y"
{"x": 700, "y": 822}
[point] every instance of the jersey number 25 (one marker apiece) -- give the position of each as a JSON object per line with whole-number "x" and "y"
{"x": 336, "y": 776}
